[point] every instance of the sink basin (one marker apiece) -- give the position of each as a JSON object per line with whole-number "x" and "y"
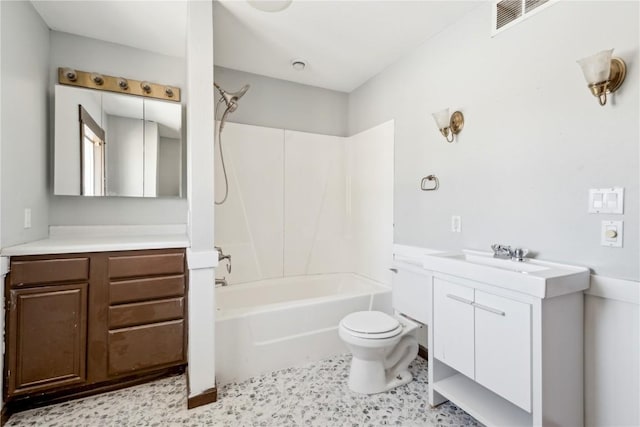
{"x": 542, "y": 279}
{"x": 505, "y": 264}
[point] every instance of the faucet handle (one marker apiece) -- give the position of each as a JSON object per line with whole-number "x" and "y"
{"x": 519, "y": 254}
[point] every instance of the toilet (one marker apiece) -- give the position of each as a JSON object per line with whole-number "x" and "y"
{"x": 382, "y": 346}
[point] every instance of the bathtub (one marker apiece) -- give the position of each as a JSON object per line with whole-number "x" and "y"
{"x": 278, "y": 323}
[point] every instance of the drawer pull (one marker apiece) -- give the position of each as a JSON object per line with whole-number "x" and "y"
{"x": 489, "y": 309}
{"x": 460, "y": 299}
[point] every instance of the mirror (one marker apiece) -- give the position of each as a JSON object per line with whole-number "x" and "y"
{"x": 109, "y": 144}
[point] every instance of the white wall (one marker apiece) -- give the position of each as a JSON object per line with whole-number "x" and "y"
{"x": 24, "y": 126}
{"x": 285, "y": 105}
{"x": 87, "y": 54}
{"x": 534, "y": 142}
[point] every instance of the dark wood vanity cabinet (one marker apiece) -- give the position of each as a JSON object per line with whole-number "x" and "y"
{"x": 75, "y": 322}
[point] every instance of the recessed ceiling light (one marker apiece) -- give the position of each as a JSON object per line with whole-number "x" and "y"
{"x": 298, "y": 64}
{"x": 270, "y": 5}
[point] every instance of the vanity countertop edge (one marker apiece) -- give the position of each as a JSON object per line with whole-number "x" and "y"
{"x": 102, "y": 239}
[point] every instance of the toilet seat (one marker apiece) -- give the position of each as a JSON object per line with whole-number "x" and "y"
{"x": 371, "y": 325}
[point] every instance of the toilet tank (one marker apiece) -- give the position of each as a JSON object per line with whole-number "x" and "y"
{"x": 411, "y": 291}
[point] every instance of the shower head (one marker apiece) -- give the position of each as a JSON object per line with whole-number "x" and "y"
{"x": 231, "y": 98}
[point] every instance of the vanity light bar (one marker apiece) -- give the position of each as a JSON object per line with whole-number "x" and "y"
{"x": 71, "y": 77}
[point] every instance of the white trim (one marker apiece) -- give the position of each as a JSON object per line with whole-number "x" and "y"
{"x": 198, "y": 260}
{"x": 616, "y": 289}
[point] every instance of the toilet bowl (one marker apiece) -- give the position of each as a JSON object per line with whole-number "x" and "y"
{"x": 382, "y": 347}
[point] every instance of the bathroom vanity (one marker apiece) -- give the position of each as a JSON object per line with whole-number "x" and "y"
{"x": 507, "y": 341}
{"x": 79, "y": 322}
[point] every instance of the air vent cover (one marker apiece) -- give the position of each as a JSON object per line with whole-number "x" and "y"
{"x": 507, "y": 13}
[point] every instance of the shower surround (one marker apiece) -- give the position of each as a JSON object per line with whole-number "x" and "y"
{"x": 302, "y": 203}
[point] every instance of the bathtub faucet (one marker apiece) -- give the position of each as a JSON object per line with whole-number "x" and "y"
{"x": 222, "y": 256}
{"x": 221, "y": 282}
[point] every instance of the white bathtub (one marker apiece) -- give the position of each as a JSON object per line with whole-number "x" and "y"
{"x": 274, "y": 324}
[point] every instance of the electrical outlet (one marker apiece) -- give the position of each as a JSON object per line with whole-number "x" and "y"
{"x": 27, "y": 218}
{"x": 455, "y": 224}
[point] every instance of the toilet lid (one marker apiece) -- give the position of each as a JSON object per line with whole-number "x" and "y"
{"x": 371, "y": 323}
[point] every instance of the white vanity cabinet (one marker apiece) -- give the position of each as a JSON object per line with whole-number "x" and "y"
{"x": 411, "y": 291}
{"x": 485, "y": 337}
{"x": 507, "y": 339}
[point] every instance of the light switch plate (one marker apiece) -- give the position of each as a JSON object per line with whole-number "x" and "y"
{"x": 611, "y": 234}
{"x": 606, "y": 200}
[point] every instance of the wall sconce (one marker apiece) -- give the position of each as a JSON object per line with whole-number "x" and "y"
{"x": 449, "y": 125}
{"x": 603, "y": 73}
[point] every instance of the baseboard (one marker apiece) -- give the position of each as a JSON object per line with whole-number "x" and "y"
{"x": 423, "y": 352}
{"x": 204, "y": 398}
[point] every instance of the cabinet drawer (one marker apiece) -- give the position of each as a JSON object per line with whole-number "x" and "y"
{"x": 49, "y": 271}
{"x": 145, "y": 312}
{"x": 146, "y": 265}
{"x": 145, "y": 289}
{"x": 146, "y": 346}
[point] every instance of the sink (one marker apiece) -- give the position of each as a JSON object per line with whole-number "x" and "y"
{"x": 505, "y": 264}
{"x": 542, "y": 279}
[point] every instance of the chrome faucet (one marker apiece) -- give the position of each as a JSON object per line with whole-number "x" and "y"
{"x": 221, "y": 282}
{"x": 505, "y": 252}
{"x": 222, "y": 256}
{"x": 501, "y": 251}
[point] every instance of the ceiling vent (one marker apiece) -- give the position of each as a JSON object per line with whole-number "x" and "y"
{"x": 507, "y": 13}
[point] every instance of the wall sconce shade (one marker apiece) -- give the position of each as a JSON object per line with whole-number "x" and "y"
{"x": 449, "y": 125}
{"x": 603, "y": 73}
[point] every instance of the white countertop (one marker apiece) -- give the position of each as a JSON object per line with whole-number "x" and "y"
{"x": 103, "y": 239}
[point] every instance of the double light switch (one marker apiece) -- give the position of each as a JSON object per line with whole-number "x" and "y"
{"x": 606, "y": 200}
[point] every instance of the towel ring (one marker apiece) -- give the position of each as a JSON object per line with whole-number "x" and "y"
{"x": 435, "y": 185}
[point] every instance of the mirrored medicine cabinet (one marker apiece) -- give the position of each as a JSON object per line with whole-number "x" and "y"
{"x": 110, "y": 144}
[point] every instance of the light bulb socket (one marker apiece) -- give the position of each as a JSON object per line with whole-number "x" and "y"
{"x": 70, "y": 74}
{"x": 123, "y": 83}
{"x": 97, "y": 79}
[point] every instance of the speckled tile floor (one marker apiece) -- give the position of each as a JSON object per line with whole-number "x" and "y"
{"x": 312, "y": 395}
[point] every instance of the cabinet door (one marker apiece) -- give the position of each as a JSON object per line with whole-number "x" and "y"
{"x": 46, "y": 337}
{"x": 503, "y": 347}
{"x": 412, "y": 294}
{"x": 453, "y": 338}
